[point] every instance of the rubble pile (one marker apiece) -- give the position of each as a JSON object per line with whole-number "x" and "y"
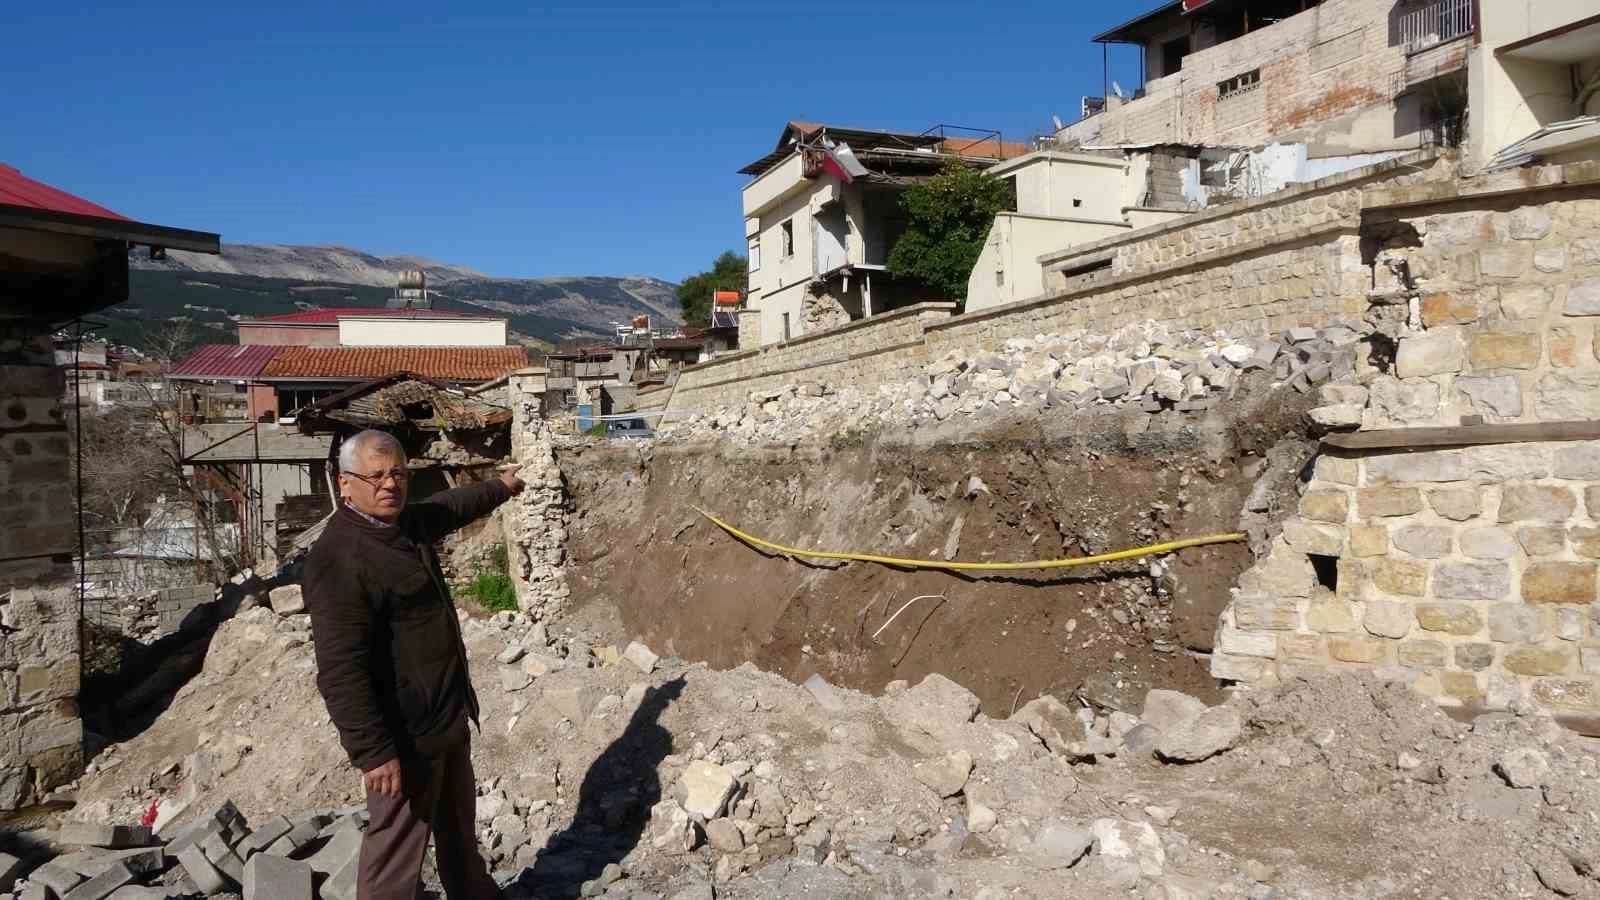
{"x": 1142, "y": 366}
{"x": 618, "y": 772}
{"x": 310, "y": 855}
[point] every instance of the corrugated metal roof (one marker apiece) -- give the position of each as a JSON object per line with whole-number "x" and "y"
{"x": 444, "y": 363}
{"x": 17, "y": 189}
{"x": 224, "y": 361}
{"x": 332, "y": 315}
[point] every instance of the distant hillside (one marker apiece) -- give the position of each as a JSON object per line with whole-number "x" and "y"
{"x": 248, "y": 281}
{"x": 340, "y": 265}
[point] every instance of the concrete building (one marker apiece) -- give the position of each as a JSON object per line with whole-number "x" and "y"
{"x": 1064, "y": 199}
{"x": 1342, "y": 76}
{"x": 371, "y": 326}
{"x": 1533, "y": 81}
{"x": 821, "y": 215}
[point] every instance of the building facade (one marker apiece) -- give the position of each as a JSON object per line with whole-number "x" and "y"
{"x": 1344, "y": 76}
{"x": 822, "y": 213}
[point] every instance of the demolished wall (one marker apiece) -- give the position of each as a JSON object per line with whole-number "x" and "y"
{"x": 535, "y": 521}
{"x": 1469, "y": 569}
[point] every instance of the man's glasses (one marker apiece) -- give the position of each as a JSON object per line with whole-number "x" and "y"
{"x": 375, "y": 481}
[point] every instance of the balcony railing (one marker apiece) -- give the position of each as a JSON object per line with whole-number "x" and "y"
{"x": 1436, "y": 23}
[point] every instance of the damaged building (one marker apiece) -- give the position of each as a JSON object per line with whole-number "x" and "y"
{"x": 61, "y": 258}
{"x": 822, "y": 213}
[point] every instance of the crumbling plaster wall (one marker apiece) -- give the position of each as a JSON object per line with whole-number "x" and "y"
{"x": 40, "y": 732}
{"x": 1470, "y": 572}
{"x": 1328, "y": 77}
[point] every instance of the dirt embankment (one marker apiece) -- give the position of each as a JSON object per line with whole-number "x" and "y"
{"x": 1090, "y": 486}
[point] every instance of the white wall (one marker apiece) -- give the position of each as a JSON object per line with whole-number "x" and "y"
{"x": 392, "y": 331}
{"x": 1071, "y": 185}
{"x": 1008, "y": 269}
{"x": 1510, "y": 97}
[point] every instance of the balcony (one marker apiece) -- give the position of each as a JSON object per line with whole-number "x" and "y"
{"x": 1432, "y": 24}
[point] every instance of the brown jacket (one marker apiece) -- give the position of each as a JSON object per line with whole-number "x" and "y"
{"x": 390, "y": 661}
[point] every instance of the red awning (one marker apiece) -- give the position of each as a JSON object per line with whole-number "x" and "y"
{"x": 1192, "y": 5}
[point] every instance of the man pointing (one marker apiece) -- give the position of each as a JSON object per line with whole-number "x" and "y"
{"x": 392, "y": 667}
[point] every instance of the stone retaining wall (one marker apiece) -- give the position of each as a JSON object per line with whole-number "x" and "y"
{"x": 1289, "y": 259}
{"x": 865, "y": 353}
{"x": 1470, "y": 571}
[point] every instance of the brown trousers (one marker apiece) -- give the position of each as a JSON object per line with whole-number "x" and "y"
{"x": 438, "y": 796}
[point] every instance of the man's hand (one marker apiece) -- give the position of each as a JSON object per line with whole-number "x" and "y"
{"x": 510, "y": 480}
{"x": 383, "y": 780}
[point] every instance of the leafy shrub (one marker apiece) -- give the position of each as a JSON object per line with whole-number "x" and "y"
{"x": 491, "y": 586}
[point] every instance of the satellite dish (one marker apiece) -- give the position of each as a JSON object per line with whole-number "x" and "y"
{"x": 1057, "y": 121}
{"x": 1117, "y": 89}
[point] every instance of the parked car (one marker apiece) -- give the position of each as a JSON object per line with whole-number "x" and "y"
{"x": 628, "y": 428}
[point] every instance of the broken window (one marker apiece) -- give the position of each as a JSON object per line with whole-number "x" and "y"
{"x": 788, "y": 238}
{"x": 1172, "y": 54}
{"x": 1242, "y": 83}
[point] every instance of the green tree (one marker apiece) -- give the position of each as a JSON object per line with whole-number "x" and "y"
{"x": 948, "y": 220}
{"x": 729, "y": 273}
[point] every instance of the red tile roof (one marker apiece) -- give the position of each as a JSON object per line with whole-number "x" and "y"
{"x": 17, "y": 189}
{"x": 331, "y": 315}
{"x": 225, "y": 361}
{"x": 443, "y": 363}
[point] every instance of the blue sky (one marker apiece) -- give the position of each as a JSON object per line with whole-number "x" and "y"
{"x": 596, "y": 138}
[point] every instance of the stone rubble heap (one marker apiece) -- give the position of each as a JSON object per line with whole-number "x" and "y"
{"x": 1142, "y": 366}
{"x": 608, "y": 770}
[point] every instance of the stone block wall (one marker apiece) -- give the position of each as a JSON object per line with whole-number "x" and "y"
{"x": 1468, "y": 571}
{"x": 882, "y": 349}
{"x": 1292, "y": 258}
{"x": 1508, "y": 301}
{"x": 40, "y": 734}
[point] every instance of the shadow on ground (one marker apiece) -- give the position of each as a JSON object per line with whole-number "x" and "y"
{"x": 127, "y": 685}
{"x": 613, "y": 804}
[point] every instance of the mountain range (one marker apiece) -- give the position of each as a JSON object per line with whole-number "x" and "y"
{"x": 252, "y": 280}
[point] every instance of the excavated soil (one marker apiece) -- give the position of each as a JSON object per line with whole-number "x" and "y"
{"x": 1107, "y": 632}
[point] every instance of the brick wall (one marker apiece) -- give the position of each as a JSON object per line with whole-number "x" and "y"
{"x": 40, "y": 734}
{"x": 1469, "y": 572}
{"x": 1328, "y": 76}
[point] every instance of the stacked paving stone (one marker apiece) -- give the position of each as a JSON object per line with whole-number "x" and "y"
{"x": 1142, "y": 366}
{"x": 312, "y": 855}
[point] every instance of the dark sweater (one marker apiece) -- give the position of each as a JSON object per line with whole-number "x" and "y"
{"x": 390, "y": 661}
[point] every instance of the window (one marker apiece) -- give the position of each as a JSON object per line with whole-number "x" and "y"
{"x": 786, "y": 327}
{"x": 1239, "y": 84}
{"x": 1172, "y": 54}
{"x": 788, "y": 238}
{"x": 755, "y": 255}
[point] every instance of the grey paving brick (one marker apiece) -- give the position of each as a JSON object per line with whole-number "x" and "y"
{"x": 269, "y": 877}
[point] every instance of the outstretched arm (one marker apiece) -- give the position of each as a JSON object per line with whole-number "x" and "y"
{"x": 447, "y": 511}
